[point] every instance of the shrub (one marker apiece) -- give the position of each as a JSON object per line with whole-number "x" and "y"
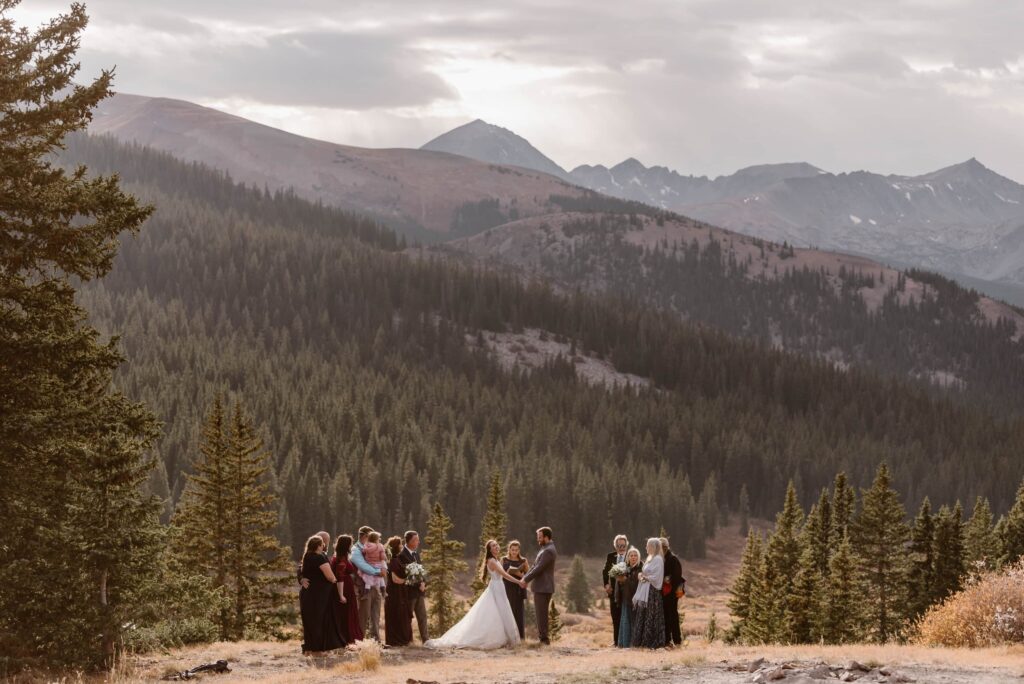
{"x": 988, "y": 612}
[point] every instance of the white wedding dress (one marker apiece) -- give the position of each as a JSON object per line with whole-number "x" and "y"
{"x": 489, "y": 623}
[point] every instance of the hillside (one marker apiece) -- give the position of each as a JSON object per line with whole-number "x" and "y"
{"x": 843, "y": 309}
{"x": 495, "y": 145}
{"x": 355, "y": 360}
{"x": 421, "y": 194}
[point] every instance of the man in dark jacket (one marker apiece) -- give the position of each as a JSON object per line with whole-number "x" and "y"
{"x": 415, "y": 592}
{"x": 673, "y": 581}
{"x": 621, "y": 545}
{"x": 542, "y": 574}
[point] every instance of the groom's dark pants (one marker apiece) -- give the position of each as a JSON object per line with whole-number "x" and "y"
{"x": 540, "y": 604}
{"x": 670, "y": 604}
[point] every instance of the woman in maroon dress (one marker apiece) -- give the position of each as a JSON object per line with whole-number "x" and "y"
{"x": 346, "y": 605}
{"x": 397, "y": 612}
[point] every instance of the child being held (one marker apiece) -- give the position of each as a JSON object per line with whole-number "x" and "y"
{"x": 375, "y": 555}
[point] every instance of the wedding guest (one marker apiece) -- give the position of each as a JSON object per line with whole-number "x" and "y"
{"x": 625, "y": 588}
{"x": 397, "y": 615}
{"x": 320, "y": 630}
{"x": 347, "y": 606}
{"x": 416, "y": 592}
{"x": 369, "y": 601}
{"x": 515, "y": 565}
{"x": 670, "y": 598}
{"x": 649, "y": 619}
{"x": 304, "y": 582}
{"x": 618, "y": 555}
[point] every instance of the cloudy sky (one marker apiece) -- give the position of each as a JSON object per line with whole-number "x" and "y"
{"x": 701, "y": 86}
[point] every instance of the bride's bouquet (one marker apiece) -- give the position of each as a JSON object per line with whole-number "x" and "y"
{"x": 415, "y": 573}
{"x": 619, "y": 570}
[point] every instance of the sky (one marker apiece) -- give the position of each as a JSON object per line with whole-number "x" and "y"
{"x": 701, "y": 86}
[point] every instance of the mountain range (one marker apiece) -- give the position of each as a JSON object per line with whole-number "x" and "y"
{"x": 964, "y": 220}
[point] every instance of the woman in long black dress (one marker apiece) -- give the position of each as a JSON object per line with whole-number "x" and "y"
{"x": 397, "y": 611}
{"x": 649, "y": 614}
{"x": 320, "y": 629}
{"x": 517, "y": 566}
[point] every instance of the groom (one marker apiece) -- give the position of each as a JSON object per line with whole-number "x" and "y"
{"x": 542, "y": 574}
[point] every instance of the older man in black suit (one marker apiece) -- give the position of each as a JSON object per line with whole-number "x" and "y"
{"x": 621, "y": 545}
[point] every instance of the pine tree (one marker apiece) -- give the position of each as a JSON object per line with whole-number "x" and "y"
{"x": 843, "y": 505}
{"x": 744, "y": 584}
{"x": 554, "y": 622}
{"x": 800, "y": 604}
{"x": 1012, "y": 530}
{"x": 744, "y": 511}
{"x": 981, "y": 544}
{"x": 227, "y": 520}
{"x": 782, "y": 560}
{"x": 442, "y": 559}
{"x": 840, "y": 605}
{"x": 494, "y": 526}
{"x": 578, "y": 597}
{"x": 881, "y": 532}
{"x": 950, "y": 565}
{"x": 72, "y": 469}
{"x": 817, "y": 533}
{"x": 921, "y": 577}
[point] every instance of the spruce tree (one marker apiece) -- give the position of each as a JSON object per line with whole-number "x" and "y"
{"x": 77, "y": 528}
{"x": 950, "y": 565}
{"x": 843, "y": 505}
{"x": 554, "y": 622}
{"x": 442, "y": 559}
{"x": 226, "y": 525}
{"x": 1012, "y": 530}
{"x": 745, "y": 583}
{"x": 840, "y": 613}
{"x": 817, "y": 533}
{"x": 744, "y": 511}
{"x": 493, "y": 526}
{"x": 800, "y": 604}
{"x": 578, "y": 597}
{"x": 981, "y": 544}
{"x": 881, "y": 533}
{"x": 921, "y": 577}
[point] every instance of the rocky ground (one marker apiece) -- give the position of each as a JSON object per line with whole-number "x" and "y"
{"x": 579, "y": 661}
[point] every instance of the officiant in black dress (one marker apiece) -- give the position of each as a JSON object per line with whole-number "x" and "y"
{"x": 514, "y": 564}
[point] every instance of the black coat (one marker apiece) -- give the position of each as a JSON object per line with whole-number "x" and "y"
{"x": 673, "y": 571}
{"x": 406, "y": 557}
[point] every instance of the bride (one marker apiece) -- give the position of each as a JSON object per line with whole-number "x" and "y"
{"x": 489, "y": 623}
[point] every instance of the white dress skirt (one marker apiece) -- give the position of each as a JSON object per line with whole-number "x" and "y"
{"x": 489, "y": 624}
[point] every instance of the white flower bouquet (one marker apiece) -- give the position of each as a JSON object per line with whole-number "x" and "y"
{"x": 415, "y": 573}
{"x": 618, "y": 570}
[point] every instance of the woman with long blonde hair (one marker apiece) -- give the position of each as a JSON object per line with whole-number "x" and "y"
{"x": 649, "y": 623}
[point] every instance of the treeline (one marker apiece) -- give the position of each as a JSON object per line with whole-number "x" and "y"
{"x": 804, "y": 310}
{"x": 356, "y": 361}
{"x": 857, "y": 570}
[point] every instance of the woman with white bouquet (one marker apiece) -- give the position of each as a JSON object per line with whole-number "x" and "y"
{"x": 626, "y": 578}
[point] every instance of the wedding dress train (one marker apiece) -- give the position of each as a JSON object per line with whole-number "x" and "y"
{"x": 489, "y": 623}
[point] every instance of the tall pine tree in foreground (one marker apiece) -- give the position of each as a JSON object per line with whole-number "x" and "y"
{"x": 494, "y": 526}
{"x": 921, "y": 573}
{"x": 227, "y": 521}
{"x": 950, "y": 564}
{"x": 76, "y": 528}
{"x": 881, "y": 531}
{"x": 841, "y": 615}
{"x": 442, "y": 559}
{"x": 744, "y": 585}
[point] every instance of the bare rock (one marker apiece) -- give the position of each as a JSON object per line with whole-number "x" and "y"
{"x": 821, "y": 671}
{"x": 854, "y": 666}
{"x": 755, "y": 665}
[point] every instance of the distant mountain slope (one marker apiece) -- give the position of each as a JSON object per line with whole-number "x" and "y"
{"x": 495, "y": 145}
{"x": 847, "y": 309}
{"x": 420, "y": 193}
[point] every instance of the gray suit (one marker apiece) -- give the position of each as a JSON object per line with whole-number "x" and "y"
{"x": 542, "y": 577}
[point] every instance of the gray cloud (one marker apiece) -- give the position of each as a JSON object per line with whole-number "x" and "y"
{"x": 704, "y": 86}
